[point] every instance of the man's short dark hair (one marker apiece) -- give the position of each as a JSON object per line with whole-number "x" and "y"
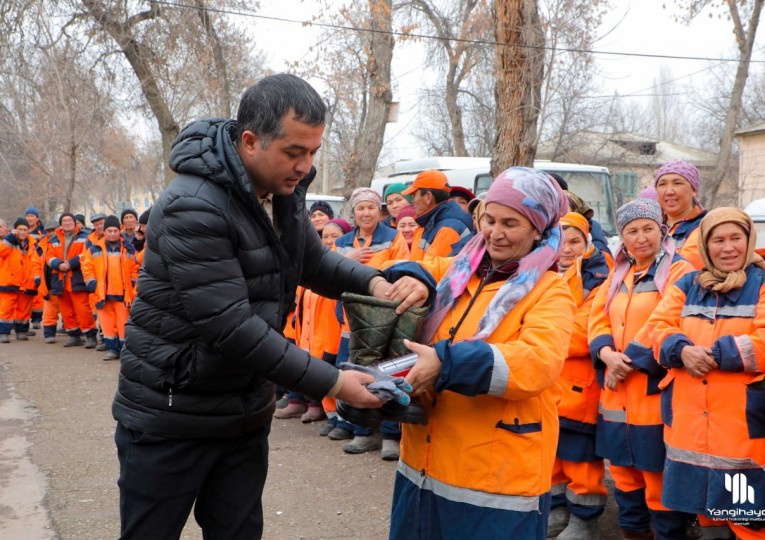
{"x": 264, "y": 104}
{"x": 439, "y": 195}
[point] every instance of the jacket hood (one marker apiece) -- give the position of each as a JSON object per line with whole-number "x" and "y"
{"x": 206, "y": 148}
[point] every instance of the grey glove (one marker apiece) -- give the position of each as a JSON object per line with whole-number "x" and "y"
{"x": 386, "y": 387}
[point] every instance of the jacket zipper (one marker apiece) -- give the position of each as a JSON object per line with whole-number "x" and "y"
{"x": 170, "y": 397}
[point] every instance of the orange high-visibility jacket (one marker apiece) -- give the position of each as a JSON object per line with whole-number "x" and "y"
{"x": 443, "y": 232}
{"x": 493, "y": 420}
{"x": 19, "y": 270}
{"x": 629, "y": 431}
{"x": 71, "y": 280}
{"x": 317, "y": 329}
{"x": 113, "y": 272}
{"x": 715, "y": 425}
{"x": 578, "y": 409}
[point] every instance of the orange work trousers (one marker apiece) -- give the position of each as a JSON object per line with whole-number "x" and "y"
{"x": 75, "y": 310}
{"x": 51, "y": 311}
{"x": 583, "y": 484}
{"x": 629, "y": 479}
{"x": 113, "y": 317}
{"x": 15, "y": 310}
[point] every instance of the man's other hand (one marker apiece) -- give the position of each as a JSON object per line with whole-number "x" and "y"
{"x": 354, "y": 391}
{"x": 408, "y": 290}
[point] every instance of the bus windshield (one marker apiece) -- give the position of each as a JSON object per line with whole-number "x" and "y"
{"x": 595, "y": 189}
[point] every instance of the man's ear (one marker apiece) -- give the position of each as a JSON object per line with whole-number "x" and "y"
{"x": 249, "y": 140}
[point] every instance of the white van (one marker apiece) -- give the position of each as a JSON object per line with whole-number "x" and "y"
{"x": 756, "y": 211}
{"x": 335, "y": 202}
{"x": 591, "y": 183}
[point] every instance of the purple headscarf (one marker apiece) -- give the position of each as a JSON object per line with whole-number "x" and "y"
{"x": 641, "y": 209}
{"x": 539, "y": 199}
{"x": 684, "y": 169}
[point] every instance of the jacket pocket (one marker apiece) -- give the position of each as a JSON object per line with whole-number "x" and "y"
{"x": 184, "y": 368}
{"x": 520, "y": 429}
{"x": 755, "y": 408}
{"x": 667, "y": 390}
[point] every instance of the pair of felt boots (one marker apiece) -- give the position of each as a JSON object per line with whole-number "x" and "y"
{"x": 378, "y": 334}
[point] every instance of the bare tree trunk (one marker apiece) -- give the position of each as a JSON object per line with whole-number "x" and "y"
{"x": 455, "y": 112}
{"x": 361, "y": 165}
{"x": 73, "y": 153}
{"x": 221, "y": 68}
{"x": 711, "y": 186}
{"x": 138, "y": 55}
{"x": 519, "y": 82}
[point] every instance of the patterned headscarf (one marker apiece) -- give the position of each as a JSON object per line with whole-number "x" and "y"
{"x": 713, "y": 278}
{"x": 537, "y": 197}
{"x": 641, "y": 209}
{"x": 365, "y": 194}
{"x": 684, "y": 169}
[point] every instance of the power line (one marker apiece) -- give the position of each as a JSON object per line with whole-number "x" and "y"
{"x": 438, "y": 38}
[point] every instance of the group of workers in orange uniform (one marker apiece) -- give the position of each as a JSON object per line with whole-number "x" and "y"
{"x": 544, "y": 354}
{"x": 664, "y": 374}
{"x": 83, "y": 276}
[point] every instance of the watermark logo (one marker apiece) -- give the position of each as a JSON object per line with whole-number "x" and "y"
{"x": 740, "y": 490}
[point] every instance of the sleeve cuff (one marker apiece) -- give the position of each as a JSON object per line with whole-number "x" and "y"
{"x": 730, "y": 356}
{"x": 643, "y": 359}
{"x": 605, "y": 340}
{"x": 669, "y": 356}
{"x": 471, "y": 368}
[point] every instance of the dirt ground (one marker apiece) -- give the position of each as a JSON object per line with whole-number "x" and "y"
{"x": 58, "y": 462}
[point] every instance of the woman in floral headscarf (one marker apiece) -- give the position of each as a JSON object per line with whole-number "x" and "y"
{"x": 496, "y": 342}
{"x": 709, "y": 332}
{"x": 629, "y": 432}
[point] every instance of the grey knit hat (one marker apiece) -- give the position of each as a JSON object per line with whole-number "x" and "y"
{"x": 638, "y": 209}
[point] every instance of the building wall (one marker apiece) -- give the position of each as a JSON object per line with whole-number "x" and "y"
{"x": 752, "y": 167}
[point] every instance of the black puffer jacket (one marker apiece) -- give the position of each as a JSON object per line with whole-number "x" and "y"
{"x": 204, "y": 337}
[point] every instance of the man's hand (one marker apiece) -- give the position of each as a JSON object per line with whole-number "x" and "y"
{"x": 698, "y": 361}
{"x": 425, "y": 372}
{"x": 618, "y": 363}
{"x": 63, "y": 267}
{"x": 408, "y": 290}
{"x": 354, "y": 391}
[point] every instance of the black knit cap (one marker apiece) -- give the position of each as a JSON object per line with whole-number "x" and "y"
{"x": 144, "y": 219}
{"x": 62, "y": 216}
{"x": 111, "y": 221}
{"x": 322, "y": 206}
{"x": 127, "y": 211}
{"x": 21, "y": 221}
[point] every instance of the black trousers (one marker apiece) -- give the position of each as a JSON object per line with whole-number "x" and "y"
{"x": 161, "y": 479}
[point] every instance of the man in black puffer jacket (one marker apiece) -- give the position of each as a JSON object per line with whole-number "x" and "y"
{"x": 229, "y": 241}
